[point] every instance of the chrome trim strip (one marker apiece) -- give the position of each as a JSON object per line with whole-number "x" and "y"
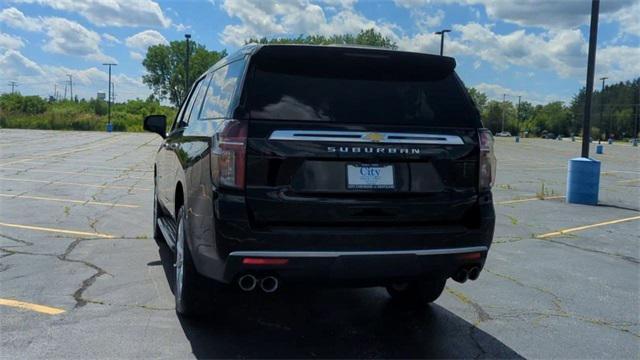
{"x": 325, "y": 254}
{"x": 365, "y": 137}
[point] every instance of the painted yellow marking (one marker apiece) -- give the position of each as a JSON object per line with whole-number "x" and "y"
{"x": 620, "y": 171}
{"x": 628, "y": 181}
{"x": 55, "y": 230}
{"x": 110, "y": 140}
{"x": 29, "y": 306}
{"x": 528, "y": 199}
{"x": 76, "y": 184}
{"x": 83, "y": 202}
{"x": 80, "y": 173}
{"x": 15, "y": 162}
{"x": 84, "y": 162}
{"x": 585, "y": 227}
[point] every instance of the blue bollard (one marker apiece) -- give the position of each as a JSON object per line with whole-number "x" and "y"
{"x": 599, "y": 149}
{"x": 109, "y": 127}
{"x": 517, "y": 139}
{"x": 610, "y": 141}
{"x": 583, "y": 181}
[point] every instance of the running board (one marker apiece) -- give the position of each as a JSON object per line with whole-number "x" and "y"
{"x": 168, "y": 228}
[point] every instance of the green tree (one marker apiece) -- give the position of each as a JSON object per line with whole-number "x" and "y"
{"x": 165, "y": 65}
{"x": 479, "y": 98}
{"x": 368, "y": 37}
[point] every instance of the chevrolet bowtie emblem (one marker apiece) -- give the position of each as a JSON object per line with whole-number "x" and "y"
{"x": 374, "y": 137}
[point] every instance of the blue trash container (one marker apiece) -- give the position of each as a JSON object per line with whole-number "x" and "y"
{"x": 599, "y": 149}
{"x": 583, "y": 181}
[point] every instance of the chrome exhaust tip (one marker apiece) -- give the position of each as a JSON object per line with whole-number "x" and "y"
{"x": 461, "y": 276}
{"x": 474, "y": 273}
{"x": 269, "y": 284}
{"x": 247, "y": 282}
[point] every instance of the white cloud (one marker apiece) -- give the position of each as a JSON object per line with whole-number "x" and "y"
{"x": 111, "y": 39}
{"x": 70, "y": 38}
{"x": 111, "y": 12}
{"x": 40, "y": 79}
{"x": 15, "y": 18}
{"x": 144, "y": 39}
{"x": 435, "y": 19}
{"x": 64, "y": 36}
{"x": 496, "y": 92}
{"x": 136, "y": 55}
{"x": 8, "y": 41}
{"x": 348, "y": 4}
{"x": 562, "y": 52}
{"x": 269, "y": 18}
{"x": 548, "y": 14}
{"x": 13, "y": 64}
{"x": 181, "y": 27}
{"x": 618, "y": 63}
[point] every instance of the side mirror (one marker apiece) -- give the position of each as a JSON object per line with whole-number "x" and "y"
{"x": 156, "y": 124}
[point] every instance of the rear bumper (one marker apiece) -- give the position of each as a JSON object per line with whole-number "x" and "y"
{"x": 357, "y": 255}
{"x": 357, "y": 267}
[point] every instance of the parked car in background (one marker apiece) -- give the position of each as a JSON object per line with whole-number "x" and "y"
{"x": 325, "y": 165}
{"x": 504, "y": 134}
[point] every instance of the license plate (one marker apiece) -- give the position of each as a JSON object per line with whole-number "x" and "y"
{"x": 370, "y": 177}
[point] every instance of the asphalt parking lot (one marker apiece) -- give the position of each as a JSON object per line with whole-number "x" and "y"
{"x": 81, "y": 277}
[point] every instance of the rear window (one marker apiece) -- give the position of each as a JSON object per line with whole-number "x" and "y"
{"x": 357, "y": 90}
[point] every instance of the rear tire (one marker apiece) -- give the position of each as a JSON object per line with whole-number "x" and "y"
{"x": 417, "y": 293}
{"x": 187, "y": 279}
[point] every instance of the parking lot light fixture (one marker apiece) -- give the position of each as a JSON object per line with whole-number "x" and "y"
{"x": 441, "y": 33}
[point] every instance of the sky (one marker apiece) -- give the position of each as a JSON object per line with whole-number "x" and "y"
{"x": 536, "y": 49}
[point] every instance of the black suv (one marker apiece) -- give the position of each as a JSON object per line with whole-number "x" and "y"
{"x": 326, "y": 165}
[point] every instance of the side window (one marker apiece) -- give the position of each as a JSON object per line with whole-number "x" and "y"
{"x": 220, "y": 91}
{"x": 195, "y": 100}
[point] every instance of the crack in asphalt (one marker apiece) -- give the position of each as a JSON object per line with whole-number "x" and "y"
{"x": 481, "y": 314}
{"x": 561, "y": 312}
{"x": 513, "y": 239}
{"x": 628, "y": 258}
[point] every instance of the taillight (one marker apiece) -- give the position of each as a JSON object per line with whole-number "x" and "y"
{"x": 228, "y": 154}
{"x": 487, "y": 174}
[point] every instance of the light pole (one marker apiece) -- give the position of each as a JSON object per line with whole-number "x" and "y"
{"x": 186, "y": 67}
{"x": 441, "y": 33}
{"x": 602, "y": 106}
{"x": 109, "y": 126}
{"x": 583, "y": 173}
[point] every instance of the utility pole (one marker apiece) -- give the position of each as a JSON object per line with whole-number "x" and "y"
{"x": 504, "y": 96}
{"x": 636, "y": 123}
{"x": 602, "y": 108}
{"x": 441, "y": 33}
{"x": 70, "y": 86}
{"x": 593, "y": 40}
{"x": 65, "y": 90}
{"x": 518, "y": 117}
{"x": 55, "y": 91}
{"x": 13, "y": 85}
{"x": 186, "y": 67}
{"x": 109, "y": 126}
